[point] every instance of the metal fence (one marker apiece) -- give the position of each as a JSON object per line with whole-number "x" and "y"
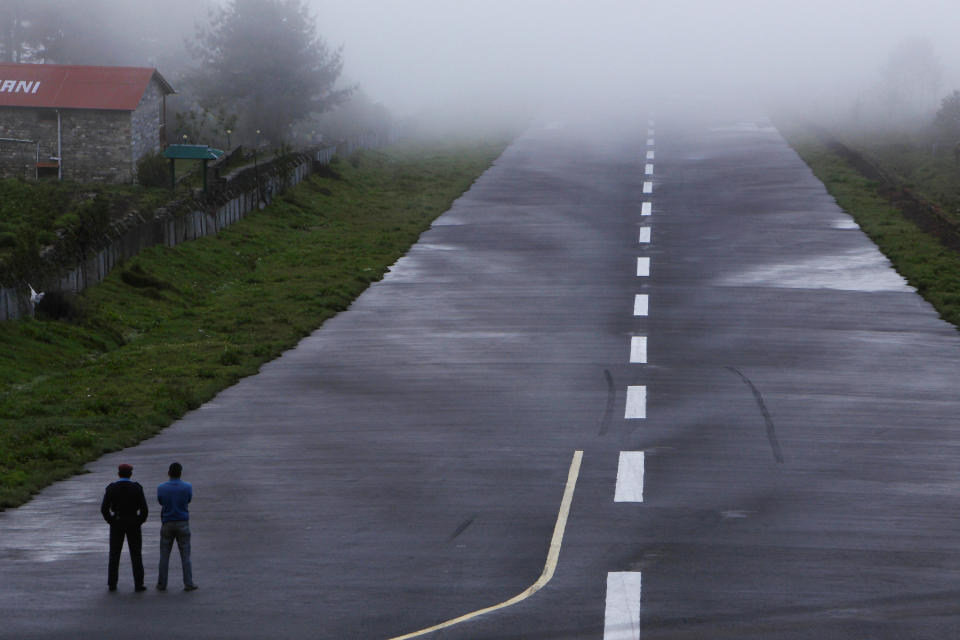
{"x": 163, "y": 227}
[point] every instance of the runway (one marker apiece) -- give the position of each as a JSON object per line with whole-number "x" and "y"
{"x": 765, "y": 409}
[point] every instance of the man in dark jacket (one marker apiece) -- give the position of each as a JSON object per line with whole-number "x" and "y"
{"x": 124, "y": 507}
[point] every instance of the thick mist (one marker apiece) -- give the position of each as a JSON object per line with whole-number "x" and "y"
{"x": 818, "y": 55}
{"x": 471, "y": 63}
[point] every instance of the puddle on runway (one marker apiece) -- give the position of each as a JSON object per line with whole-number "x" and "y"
{"x": 844, "y": 223}
{"x": 55, "y": 528}
{"x": 855, "y": 270}
{"x": 426, "y": 246}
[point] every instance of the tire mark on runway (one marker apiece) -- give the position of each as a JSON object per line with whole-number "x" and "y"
{"x": 611, "y": 402}
{"x": 771, "y": 430}
{"x": 461, "y": 528}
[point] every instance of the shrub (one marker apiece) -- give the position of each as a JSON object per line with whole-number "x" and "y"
{"x": 153, "y": 170}
{"x": 94, "y": 220}
{"x": 60, "y": 305}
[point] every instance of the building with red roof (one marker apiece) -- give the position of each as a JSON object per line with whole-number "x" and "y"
{"x": 87, "y": 124}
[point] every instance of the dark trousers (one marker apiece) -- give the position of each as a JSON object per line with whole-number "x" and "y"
{"x": 130, "y": 531}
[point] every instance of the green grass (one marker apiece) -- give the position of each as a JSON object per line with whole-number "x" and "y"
{"x": 173, "y": 326}
{"x": 919, "y": 257}
{"x": 929, "y": 169}
{"x": 38, "y": 210}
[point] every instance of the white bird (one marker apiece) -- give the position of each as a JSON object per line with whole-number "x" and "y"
{"x": 34, "y": 296}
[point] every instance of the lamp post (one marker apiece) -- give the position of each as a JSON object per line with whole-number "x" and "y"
{"x": 229, "y": 131}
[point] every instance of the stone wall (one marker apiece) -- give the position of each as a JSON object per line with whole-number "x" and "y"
{"x": 145, "y": 123}
{"x": 17, "y": 159}
{"x": 96, "y": 144}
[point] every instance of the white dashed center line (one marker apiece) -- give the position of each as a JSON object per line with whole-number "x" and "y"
{"x": 630, "y": 477}
{"x": 622, "y": 615}
{"x": 643, "y": 266}
{"x": 636, "y": 403}
{"x": 641, "y": 304}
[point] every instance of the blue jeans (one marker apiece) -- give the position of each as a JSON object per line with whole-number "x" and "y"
{"x": 178, "y": 530}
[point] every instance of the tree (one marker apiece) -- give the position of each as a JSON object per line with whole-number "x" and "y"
{"x": 11, "y": 40}
{"x": 947, "y": 120}
{"x": 911, "y": 78}
{"x": 263, "y": 60}
{"x": 28, "y": 29}
{"x": 357, "y": 115}
{"x": 104, "y": 32}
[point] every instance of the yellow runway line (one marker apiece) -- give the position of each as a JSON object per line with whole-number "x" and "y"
{"x": 553, "y": 556}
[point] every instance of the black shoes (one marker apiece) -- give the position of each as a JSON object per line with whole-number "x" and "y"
{"x": 160, "y": 587}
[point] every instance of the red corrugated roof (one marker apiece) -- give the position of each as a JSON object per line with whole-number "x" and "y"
{"x": 59, "y": 86}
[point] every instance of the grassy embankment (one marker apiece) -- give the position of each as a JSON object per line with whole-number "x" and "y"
{"x": 170, "y": 328}
{"x": 37, "y": 211}
{"x": 919, "y": 257}
{"x": 927, "y": 168}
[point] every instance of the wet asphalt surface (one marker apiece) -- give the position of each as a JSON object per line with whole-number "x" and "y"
{"x": 405, "y": 464}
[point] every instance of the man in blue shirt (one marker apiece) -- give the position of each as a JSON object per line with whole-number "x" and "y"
{"x": 174, "y": 496}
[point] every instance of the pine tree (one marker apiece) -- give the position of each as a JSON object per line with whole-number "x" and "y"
{"x": 263, "y": 60}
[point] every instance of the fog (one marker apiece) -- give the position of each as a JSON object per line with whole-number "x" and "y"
{"x": 473, "y": 61}
{"x": 815, "y": 54}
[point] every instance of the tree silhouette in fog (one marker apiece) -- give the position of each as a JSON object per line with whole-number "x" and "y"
{"x": 263, "y": 60}
{"x": 911, "y": 78}
{"x": 99, "y": 32}
{"x": 947, "y": 120}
